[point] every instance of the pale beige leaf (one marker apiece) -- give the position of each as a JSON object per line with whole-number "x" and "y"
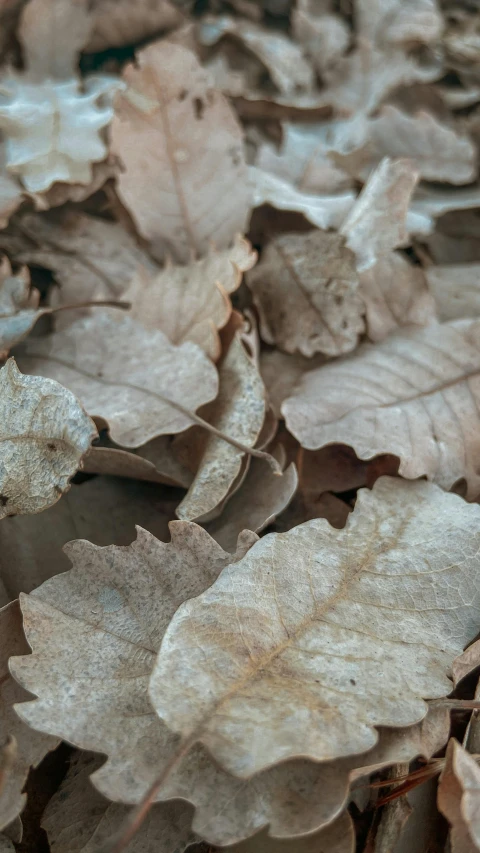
{"x": 456, "y": 290}
{"x": 90, "y": 258}
{"x": 415, "y": 396}
{"x": 79, "y": 820}
{"x": 181, "y": 146}
{"x": 386, "y": 22}
{"x": 282, "y": 57}
{"x": 119, "y": 22}
{"x": 161, "y": 452}
{"x": 112, "y": 607}
{"x": 293, "y": 798}
{"x": 239, "y": 412}
{"x": 324, "y": 211}
{"x": 101, "y": 509}
{"x": 119, "y": 369}
{"x": 261, "y": 639}
{"x": 11, "y": 194}
{"x": 120, "y": 463}
{"x": 52, "y": 34}
{"x": 282, "y": 373}
{"x": 325, "y": 36}
{"x": 18, "y": 306}
{"x": 437, "y": 151}
{"x": 459, "y": 798}
{"x": 376, "y": 224}
{"x": 44, "y": 435}
{"x": 262, "y": 497}
{"x": 306, "y": 291}
{"x": 31, "y": 746}
{"x": 431, "y": 203}
{"x": 190, "y": 303}
{"x": 395, "y": 293}
{"x": 466, "y": 662}
{"x": 303, "y": 159}
{"x": 337, "y": 838}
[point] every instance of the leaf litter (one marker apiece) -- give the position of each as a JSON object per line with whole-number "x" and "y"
{"x": 239, "y": 527}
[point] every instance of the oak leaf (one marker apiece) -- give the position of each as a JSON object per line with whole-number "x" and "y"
{"x": 125, "y": 374}
{"x": 44, "y": 435}
{"x": 408, "y": 396}
{"x": 239, "y": 411}
{"x": 190, "y": 303}
{"x": 191, "y": 149}
{"x": 399, "y": 599}
{"x": 459, "y": 798}
{"x": 306, "y": 291}
{"x": 30, "y": 746}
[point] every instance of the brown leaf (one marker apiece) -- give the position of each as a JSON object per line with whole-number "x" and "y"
{"x": 191, "y": 149}
{"x": 306, "y": 291}
{"x": 120, "y": 463}
{"x": 376, "y": 223}
{"x": 124, "y": 374}
{"x": 30, "y": 746}
{"x": 52, "y": 34}
{"x": 412, "y": 396}
{"x": 44, "y": 436}
{"x": 239, "y": 412}
{"x": 102, "y": 510}
{"x": 218, "y": 677}
{"x": 11, "y": 193}
{"x": 118, "y": 22}
{"x": 282, "y": 373}
{"x": 190, "y": 303}
{"x": 79, "y": 820}
{"x": 459, "y": 798}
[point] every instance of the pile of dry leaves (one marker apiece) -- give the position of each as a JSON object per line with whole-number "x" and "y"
{"x": 239, "y": 426}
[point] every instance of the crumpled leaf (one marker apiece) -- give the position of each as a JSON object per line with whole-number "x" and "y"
{"x": 390, "y": 22}
{"x": 91, "y": 258}
{"x": 303, "y": 159}
{"x": 190, "y": 303}
{"x": 239, "y": 412}
{"x": 124, "y": 373}
{"x": 79, "y": 820}
{"x": 323, "y": 211}
{"x": 262, "y": 497}
{"x": 413, "y": 396}
{"x": 395, "y": 293}
{"x": 191, "y": 149}
{"x": 52, "y": 126}
{"x": 103, "y": 510}
{"x": 306, "y": 291}
{"x": 284, "y": 60}
{"x": 30, "y": 746}
{"x": 456, "y": 290}
{"x": 18, "y": 306}
{"x": 459, "y": 798}
{"x": 44, "y": 435}
{"x": 377, "y": 222}
{"x": 118, "y": 22}
{"x": 324, "y": 35}
{"x": 116, "y": 603}
{"x": 310, "y": 596}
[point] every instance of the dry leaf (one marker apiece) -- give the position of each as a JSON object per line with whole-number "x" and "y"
{"x": 30, "y": 746}
{"x": 395, "y": 293}
{"x": 118, "y": 22}
{"x": 120, "y": 463}
{"x": 339, "y": 837}
{"x": 191, "y": 149}
{"x": 18, "y": 306}
{"x": 284, "y": 60}
{"x": 124, "y": 374}
{"x": 262, "y": 497}
{"x": 306, "y": 291}
{"x": 113, "y": 605}
{"x": 91, "y": 259}
{"x": 324, "y": 36}
{"x": 11, "y": 194}
{"x": 399, "y": 598}
{"x": 399, "y": 21}
{"x": 102, "y": 510}
{"x": 282, "y": 373}
{"x": 160, "y": 452}
{"x": 413, "y": 396}
{"x": 79, "y": 820}
{"x": 376, "y": 223}
{"x": 52, "y": 126}
{"x": 45, "y": 434}
{"x": 459, "y": 798}
{"x": 190, "y": 303}
{"x": 239, "y": 412}
{"x": 323, "y": 211}
{"x": 456, "y": 290}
